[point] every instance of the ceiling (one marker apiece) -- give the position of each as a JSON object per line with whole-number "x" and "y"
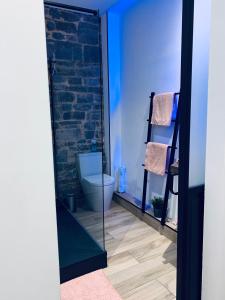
{"x": 102, "y": 5}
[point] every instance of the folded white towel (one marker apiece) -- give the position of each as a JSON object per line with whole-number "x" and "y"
{"x": 162, "y": 109}
{"x": 156, "y": 158}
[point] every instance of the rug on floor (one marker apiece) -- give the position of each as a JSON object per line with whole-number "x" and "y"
{"x": 93, "y": 286}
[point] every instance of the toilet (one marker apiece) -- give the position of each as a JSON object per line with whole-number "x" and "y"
{"x": 93, "y": 182}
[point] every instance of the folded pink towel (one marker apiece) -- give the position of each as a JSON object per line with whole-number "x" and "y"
{"x": 162, "y": 109}
{"x": 156, "y": 158}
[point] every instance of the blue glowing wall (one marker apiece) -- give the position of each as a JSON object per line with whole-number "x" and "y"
{"x": 144, "y": 56}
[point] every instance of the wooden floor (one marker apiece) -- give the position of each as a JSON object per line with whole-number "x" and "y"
{"x": 128, "y": 197}
{"x": 142, "y": 263}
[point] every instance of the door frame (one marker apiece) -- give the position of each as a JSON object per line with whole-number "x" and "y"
{"x": 191, "y": 200}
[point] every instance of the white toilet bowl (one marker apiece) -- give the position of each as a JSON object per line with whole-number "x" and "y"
{"x": 93, "y": 188}
{"x": 93, "y": 182}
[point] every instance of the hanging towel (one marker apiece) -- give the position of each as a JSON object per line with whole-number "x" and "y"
{"x": 156, "y": 158}
{"x": 162, "y": 109}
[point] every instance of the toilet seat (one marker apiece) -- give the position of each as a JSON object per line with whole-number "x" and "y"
{"x": 99, "y": 180}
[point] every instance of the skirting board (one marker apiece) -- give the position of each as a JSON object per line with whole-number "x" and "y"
{"x": 148, "y": 219}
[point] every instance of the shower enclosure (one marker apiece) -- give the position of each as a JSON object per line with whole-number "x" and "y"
{"x": 74, "y": 61}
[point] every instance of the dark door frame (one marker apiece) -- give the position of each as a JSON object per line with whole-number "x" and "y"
{"x": 184, "y": 147}
{"x": 191, "y": 200}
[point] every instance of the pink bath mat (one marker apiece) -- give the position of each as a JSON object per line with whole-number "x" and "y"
{"x": 93, "y": 286}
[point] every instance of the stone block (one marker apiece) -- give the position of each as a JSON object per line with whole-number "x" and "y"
{"x": 70, "y": 124}
{"x": 77, "y": 115}
{"x": 50, "y": 25}
{"x": 96, "y": 116}
{"x": 71, "y": 37}
{"x": 70, "y": 16}
{"x": 58, "y": 86}
{"x": 89, "y": 71}
{"x": 59, "y": 78}
{"x": 92, "y": 82}
{"x": 64, "y": 97}
{"x": 63, "y": 50}
{"x": 57, "y": 115}
{"x": 89, "y": 134}
{"x": 83, "y": 148}
{"x": 94, "y": 90}
{"x": 66, "y": 27}
{"x": 82, "y": 106}
{"x": 88, "y": 33}
{"x": 75, "y": 81}
{"x": 97, "y": 98}
{"x": 97, "y": 107}
{"x": 58, "y": 36}
{"x": 61, "y": 156}
{"x": 90, "y": 126}
{"x": 84, "y": 98}
{"x": 65, "y": 68}
{"x": 77, "y": 89}
{"x": 67, "y": 135}
{"x": 91, "y": 19}
{"x": 55, "y": 13}
{"x": 77, "y": 52}
{"x": 81, "y": 141}
{"x": 91, "y": 54}
{"x": 66, "y": 107}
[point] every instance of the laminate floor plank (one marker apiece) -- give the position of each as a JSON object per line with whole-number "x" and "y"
{"x": 142, "y": 262}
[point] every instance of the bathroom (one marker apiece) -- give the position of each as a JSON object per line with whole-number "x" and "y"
{"x": 103, "y": 68}
{"x": 79, "y": 84}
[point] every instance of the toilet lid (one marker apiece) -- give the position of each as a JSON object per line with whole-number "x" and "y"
{"x": 100, "y": 180}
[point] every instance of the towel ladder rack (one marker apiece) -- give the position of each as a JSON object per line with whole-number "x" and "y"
{"x": 149, "y": 134}
{"x": 170, "y": 175}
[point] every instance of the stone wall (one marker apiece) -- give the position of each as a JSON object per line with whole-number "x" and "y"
{"x": 73, "y": 42}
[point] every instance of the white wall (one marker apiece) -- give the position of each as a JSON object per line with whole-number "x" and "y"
{"x": 28, "y": 255}
{"x": 202, "y": 15}
{"x": 214, "y": 237}
{"x": 150, "y": 54}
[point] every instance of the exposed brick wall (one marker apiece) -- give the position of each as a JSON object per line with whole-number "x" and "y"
{"x": 73, "y": 42}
